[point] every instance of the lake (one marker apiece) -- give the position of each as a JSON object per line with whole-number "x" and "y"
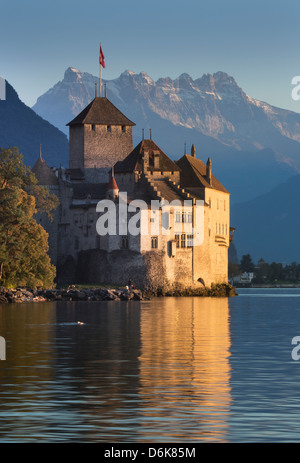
{"x": 168, "y": 370}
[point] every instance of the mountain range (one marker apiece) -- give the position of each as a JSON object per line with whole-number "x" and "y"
{"x": 254, "y": 147}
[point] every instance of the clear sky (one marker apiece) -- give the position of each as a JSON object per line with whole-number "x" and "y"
{"x": 257, "y": 42}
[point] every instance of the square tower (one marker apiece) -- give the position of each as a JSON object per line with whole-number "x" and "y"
{"x": 99, "y": 137}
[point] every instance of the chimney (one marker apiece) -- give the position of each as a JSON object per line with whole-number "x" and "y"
{"x": 193, "y": 151}
{"x": 208, "y": 171}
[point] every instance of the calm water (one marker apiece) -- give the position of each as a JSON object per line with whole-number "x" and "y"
{"x": 168, "y": 370}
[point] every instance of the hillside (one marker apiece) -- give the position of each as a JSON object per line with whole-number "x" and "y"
{"x": 20, "y": 126}
{"x": 268, "y": 226}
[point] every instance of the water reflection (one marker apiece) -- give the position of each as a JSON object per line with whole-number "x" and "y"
{"x": 185, "y": 370}
{"x": 145, "y": 372}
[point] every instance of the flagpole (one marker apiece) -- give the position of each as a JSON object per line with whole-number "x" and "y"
{"x": 100, "y": 72}
{"x": 100, "y": 79}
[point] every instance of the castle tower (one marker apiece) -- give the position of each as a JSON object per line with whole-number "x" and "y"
{"x": 100, "y": 136}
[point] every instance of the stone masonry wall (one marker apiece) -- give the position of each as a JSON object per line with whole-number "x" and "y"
{"x": 103, "y": 148}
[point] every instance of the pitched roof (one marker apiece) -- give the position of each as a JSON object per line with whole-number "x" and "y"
{"x": 44, "y": 173}
{"x": 101, "y": 111}
{"x": 193, "y": 174}
{"x": 134, "y": 161}
{"x": 167, "y": 191}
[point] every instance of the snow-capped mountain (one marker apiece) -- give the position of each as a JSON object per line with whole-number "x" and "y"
{"x": 213, "y": 105}
{"x": 253, "y": 145}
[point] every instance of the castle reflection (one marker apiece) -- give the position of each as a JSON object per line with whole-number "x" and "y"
{"x": 155, "y": 371}
{"x": 185, "y": 369}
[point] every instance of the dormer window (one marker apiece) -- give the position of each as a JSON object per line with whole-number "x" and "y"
{"x": 156, "y": 160}
{"x": 109, "y": 128}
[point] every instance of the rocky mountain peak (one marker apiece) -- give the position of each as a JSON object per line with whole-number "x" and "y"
{"x": 72, "y": 75}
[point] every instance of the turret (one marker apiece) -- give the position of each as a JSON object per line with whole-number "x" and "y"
{"x": 112, "y": 191}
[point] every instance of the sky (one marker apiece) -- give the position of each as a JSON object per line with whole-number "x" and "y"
{"x": 256, "y": 42}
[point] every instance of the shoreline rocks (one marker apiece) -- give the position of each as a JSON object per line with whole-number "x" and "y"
{"x": 217, "y": 290}
{"x": 21, "y": 295}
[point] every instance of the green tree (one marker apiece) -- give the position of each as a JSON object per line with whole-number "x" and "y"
{"x": 23, "y": 242}
{"x": 246, "y": 264}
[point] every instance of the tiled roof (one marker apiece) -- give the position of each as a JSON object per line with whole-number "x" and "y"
{"x": 134, "y": 161}
{"x": 101, "y": 111}
{"x": 167, "y": 191}
{"x": 44, "y": 173}
{"x": 193, "y": 175}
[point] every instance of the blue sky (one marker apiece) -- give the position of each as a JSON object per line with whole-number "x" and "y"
{"x": 256, "y": 42}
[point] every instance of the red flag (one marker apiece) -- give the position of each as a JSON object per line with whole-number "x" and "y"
{"x": 101, "y": 58}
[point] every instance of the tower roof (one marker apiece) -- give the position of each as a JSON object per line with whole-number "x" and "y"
{"x": 101, "y": 111}
{"x": 112, "y": 184}
{"x": 44, "y": 173}
{"x": 133, "y": 162}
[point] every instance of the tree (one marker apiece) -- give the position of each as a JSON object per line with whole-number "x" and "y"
{"x": 246, "y": 264}
{"x": 23, "y": 242}
{"x": 233, "y": 270}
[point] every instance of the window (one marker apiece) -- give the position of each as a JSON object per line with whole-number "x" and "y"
{"x": 93, "y": 127}
{"x": 190, "y": 217}
{"x": 124, "y": 242}
{"x": 222, "y": 229}
{"x": 178, "y": 217}
{"x": 76, "y": 243}
{"x": 189, "y": 241}
{"x": 183, "y": 242}
{"x": 154, "y": 242}
{"x": 124, "y": 128}
{"x": 177, "y": 240}
{"x": 109, "y": 128}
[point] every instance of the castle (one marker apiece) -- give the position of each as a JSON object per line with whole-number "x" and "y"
{"x": 180, "y": 249}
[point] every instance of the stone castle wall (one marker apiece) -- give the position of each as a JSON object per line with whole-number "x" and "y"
{"x": 103, "y": 148}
